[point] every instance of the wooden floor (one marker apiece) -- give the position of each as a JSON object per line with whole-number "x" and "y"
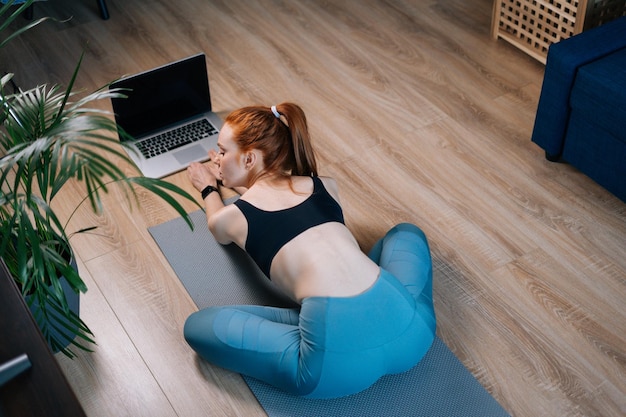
{"x": 421, "y": 117}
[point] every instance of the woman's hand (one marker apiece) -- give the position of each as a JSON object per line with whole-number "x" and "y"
{"x": 202, "y": 175}
{"x": 214, "y": 164}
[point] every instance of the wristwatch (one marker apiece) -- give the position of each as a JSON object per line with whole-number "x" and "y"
{"x": 208, "y": 190}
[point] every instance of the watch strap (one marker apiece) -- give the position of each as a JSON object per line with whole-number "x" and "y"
{"x": 208, "y": 190}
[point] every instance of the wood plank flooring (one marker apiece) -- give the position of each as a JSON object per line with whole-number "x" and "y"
{"x": 421, "y": 117}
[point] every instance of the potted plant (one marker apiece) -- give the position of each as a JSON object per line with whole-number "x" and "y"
{"x": 49, "y": 138}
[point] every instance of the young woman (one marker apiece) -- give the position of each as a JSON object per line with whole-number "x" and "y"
{"x": 360, "y": 318}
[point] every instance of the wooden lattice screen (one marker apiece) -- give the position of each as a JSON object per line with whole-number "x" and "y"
{"x": 533, "y": 25}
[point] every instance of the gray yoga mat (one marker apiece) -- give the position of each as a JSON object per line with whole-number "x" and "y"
{"x": 221, "y": 275}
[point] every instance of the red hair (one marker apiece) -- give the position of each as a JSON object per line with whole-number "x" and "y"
{"x": 283, "y": 141}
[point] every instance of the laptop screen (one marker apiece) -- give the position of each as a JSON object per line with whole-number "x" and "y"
{"x": 163, "y": 96}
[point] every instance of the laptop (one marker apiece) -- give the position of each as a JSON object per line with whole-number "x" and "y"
{"x": 168, "y": 115}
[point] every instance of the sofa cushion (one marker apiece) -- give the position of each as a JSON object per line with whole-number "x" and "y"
{"x": 597, "y": 153}
{"x": 599, "y": 93}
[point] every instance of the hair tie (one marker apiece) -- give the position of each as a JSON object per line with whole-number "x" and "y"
{"x": 275, "y": 112}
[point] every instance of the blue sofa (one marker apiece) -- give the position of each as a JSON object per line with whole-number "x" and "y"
{"x": 581, "y": 115}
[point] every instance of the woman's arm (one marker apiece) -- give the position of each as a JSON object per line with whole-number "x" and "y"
{"x": 240, "y": 190}
{"x": 224, "y": 222}
{"x": 202, "y": 176}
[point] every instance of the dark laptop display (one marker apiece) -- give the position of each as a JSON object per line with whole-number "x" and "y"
{"x": 164, "y": 96}
{"x": 162, "y": 100}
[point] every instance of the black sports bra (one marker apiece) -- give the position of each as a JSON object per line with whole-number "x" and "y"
{"x": 268, "y": 231}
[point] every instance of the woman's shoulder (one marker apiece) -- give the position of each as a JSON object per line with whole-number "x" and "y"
{"x": 331, "y": 186}
{"x": 305, "y": 181}
{"x": 302, "y": 184}
{"x": 328, "y": 181}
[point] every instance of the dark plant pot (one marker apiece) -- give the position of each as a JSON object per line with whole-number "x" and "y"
{"x": 73, "y": 302}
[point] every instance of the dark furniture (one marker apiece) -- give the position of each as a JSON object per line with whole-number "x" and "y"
{"x": 39, "y": 390}
{"x": 104, "y": 10}
{"x": 102, "y": 6}
{"x": 581, "y": 116}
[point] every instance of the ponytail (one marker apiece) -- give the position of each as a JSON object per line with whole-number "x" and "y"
{"x": 280, "y": 133}
{"x": 304, "y": 155}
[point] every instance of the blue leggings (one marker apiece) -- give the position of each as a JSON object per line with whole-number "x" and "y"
{"x": 332, "y": 346}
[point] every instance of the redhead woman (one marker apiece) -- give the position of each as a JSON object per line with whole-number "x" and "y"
{"x": 360, "y": 317}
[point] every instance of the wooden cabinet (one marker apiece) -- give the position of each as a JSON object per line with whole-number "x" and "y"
{"x": 41, "y": 390}
{"x": 533, "y": 25}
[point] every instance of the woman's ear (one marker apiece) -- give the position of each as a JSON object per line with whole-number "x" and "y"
{"x": 249, "y": 160}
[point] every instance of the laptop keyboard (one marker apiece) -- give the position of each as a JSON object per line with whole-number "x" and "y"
{"x": 176, "y": 138}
